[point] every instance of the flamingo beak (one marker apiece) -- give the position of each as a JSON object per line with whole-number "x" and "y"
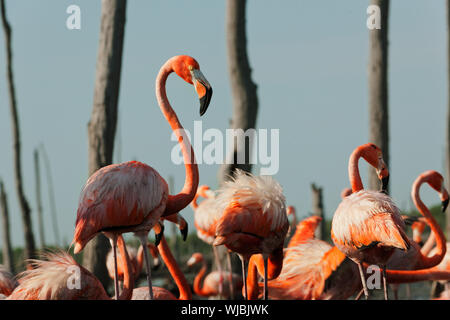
{"x": 444, "y": 204}
{"x": 384, "y": 183}
{"x": 203, "y": 89}
{"x": 184, "y": 232}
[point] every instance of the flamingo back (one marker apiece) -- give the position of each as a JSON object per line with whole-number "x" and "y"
{"x": 59, "y": 277}
{"x": 367, "y": 218}
{"x": 119, "y": 196}
{"x": 141, "y": 293}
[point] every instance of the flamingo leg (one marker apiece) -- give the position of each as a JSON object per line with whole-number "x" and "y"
{"x": 244, "y": 275}
{"x": 385, "y": 283}
{"x": 113, "y": 240}
{"x": 358, "y": 296}
{"x": 143, "y": 238}
{"x": 363, "y": 280}
{"x": 219, "y": 268}
{"x": 230, "y": 275}
{"x": 266, "y": 291}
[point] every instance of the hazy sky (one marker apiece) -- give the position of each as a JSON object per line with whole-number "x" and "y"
{"x": 309, "y": 60}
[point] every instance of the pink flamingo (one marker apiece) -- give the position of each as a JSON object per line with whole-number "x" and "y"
{"x": 209, "y": 285}
{"x": 60, "y": 277}
{"x": 367, "y": 226}
{"x": 253, "y": 221}
{"x": 132, "y": 196}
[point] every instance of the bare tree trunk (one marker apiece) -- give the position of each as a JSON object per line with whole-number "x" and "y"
{"x": 378, "y": 88}
{"x": 317, "y": 207}
{"x": 8, "y": 258}
{"x": 23, "y": 203}
{"x": 448, "y": 116}
{"x": 102, "y": 125}
{"x": 51, "y": 196}
{"x": 38, "y": 198}
{"x": 245, "y": 99}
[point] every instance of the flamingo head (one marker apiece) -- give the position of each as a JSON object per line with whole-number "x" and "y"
{"x": 346, "y": 192}
{"x": 188, "y": 69}
{"x": 290, "y": 210}
{"x": 436, "y": 181}
{"x": 373, "y": 155}
{"x": 194, "y": 259}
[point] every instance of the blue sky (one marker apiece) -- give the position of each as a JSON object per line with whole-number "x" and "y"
{"x": 309, "y": 60}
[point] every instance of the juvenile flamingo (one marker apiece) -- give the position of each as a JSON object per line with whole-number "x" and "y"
{"x": 50, "y": 279}
{"x": 185, "y": 293}
{"x": 367, "y": 226}
{"x": 132, "y": 196}
{"x": 253, "y": 221}
{"x": 208, "y": 285}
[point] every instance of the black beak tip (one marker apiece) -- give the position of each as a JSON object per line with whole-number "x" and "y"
{"x": 159, "y": 236}
{"x": 444, "y": 205}
{"x": 205, "y": 100}
{"x": 384, "y": 184}
{"x": 184, "y": 232}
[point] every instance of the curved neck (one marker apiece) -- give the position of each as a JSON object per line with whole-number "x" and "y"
{"x": 174, "y": 269}
{"x": 177, "y": 202}
{"x": 128, "y": 279}
{"x": 428, "y": 262}
{"x": 198, "y": 281}
{"x": 429, "y": 244}
{"x": 353, "y": 171}
{"x": 255, "y": 266}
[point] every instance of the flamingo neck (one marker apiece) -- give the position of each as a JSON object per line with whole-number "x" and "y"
{"x": 255, "y": 266}
{"x": 198, "y": 281}
{"x": 274, "y": 263}
{"x": 128, "y": 279}
{"x": 429, "y": 244}
{"x": 395, "y": 276}
{"x": 174, "y": 270}
{"x": 353, "y": 171}
{"x": 176, "y": 203}
{"x": 441, "y": 248}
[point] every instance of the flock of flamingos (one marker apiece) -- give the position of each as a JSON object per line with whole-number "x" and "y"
{"x": 248, "y": 215}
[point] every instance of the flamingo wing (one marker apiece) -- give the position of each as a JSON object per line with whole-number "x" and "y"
{"x": 119, "y": 196}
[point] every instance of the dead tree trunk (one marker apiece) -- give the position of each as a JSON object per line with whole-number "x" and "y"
{"x": 102, "y": 125}
{"x": 39, "y": 198}
{"x": 317, "y": 209}
{"x": 245, "y": 99}
{"x": 8, "y": 258}
{"x": 378, "y": 88}
{"x": 51, "y": 196}
{"x": 448, "y": 116}
{"x": 23, "y": 203}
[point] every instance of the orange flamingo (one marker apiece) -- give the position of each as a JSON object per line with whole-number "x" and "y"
{"x": 142, "y": 293}
{"x": 312, "y": 269}
{"x": 367, "y": 226}
{"x": 132, "y": 196}
{"x": 305, "y": 230}
{"x": 413, "y": 259}
{"x": 253, "y": 221}
{"x": 209, "y": 285}
{"x": 50, "y": 279}
{"x": 7, "y": 281}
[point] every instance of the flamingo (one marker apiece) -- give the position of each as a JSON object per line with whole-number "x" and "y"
{"x": 312, "y": 269}
{"x": 50, "y": 278}
{"x": 7, "y": 281}
{"x": 136, "y": 260}
{"x": 367, "y": 226}
{"x": 305, "y": 230}
{"x": 290, "y": 211}
{"x": 185, "y": 293}
{"x": 413, "y": 259}
{"x": 209, "y": 285}
{"x": 253, "y": 221}
{"x": 132, "y": 196}
{"x": 346, "y": 192}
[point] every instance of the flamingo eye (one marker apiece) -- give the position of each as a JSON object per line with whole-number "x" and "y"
{"x": 190, "y": 68}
